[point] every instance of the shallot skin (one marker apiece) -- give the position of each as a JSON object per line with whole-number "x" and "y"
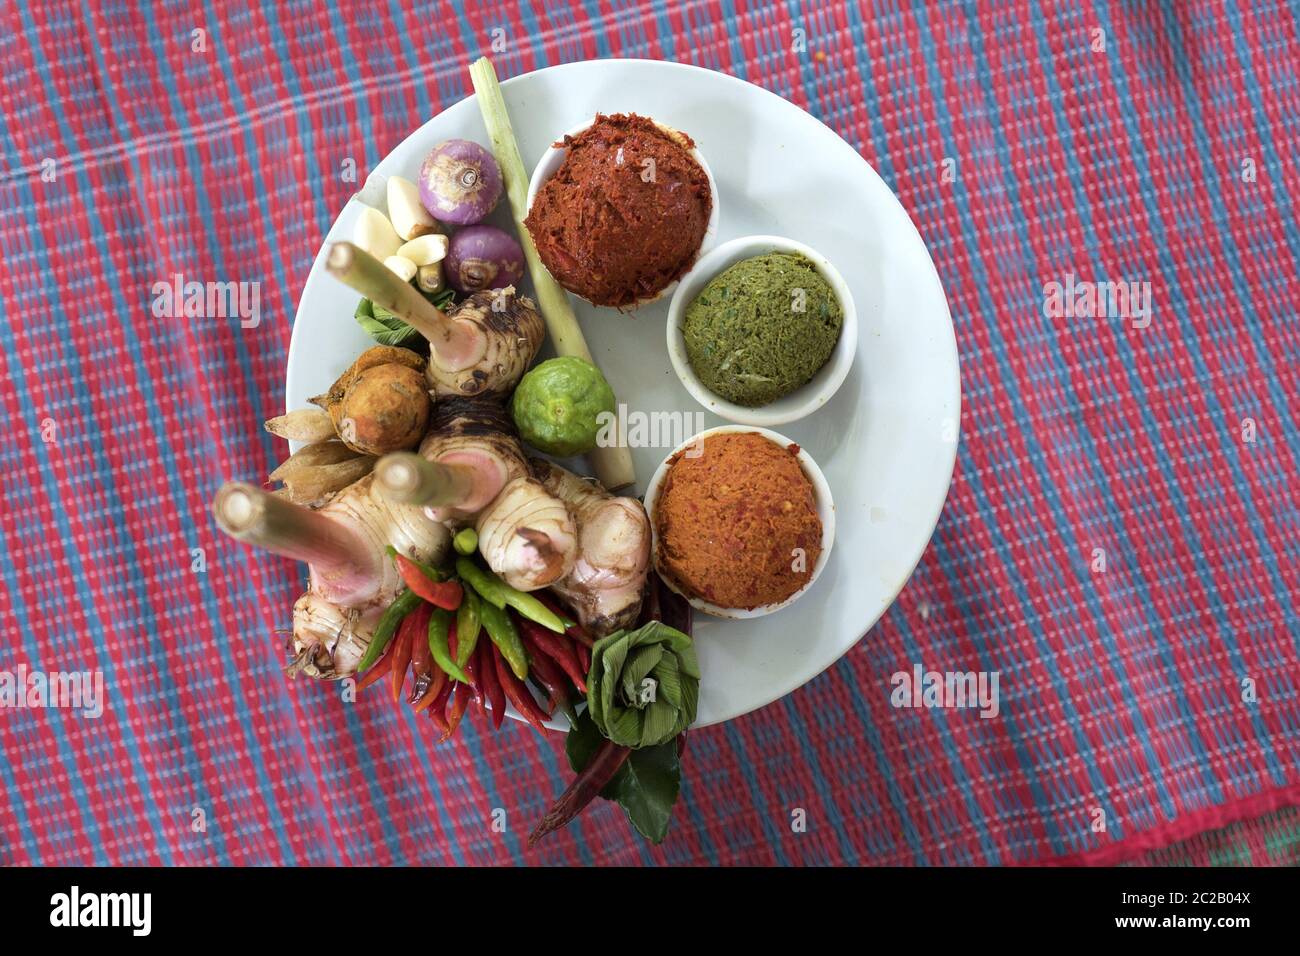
{"x": 460, "y": 182}
{"x": 483, "y": 257}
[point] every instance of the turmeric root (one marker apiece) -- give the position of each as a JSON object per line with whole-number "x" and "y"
{"x": 380, "y": 404}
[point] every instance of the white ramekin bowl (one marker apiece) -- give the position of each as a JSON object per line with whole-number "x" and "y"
{"x": 808, "y": 397}
{"x": 554, "y": 156}
{"x": 825, "y": 511}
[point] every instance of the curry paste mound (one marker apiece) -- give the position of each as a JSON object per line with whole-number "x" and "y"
{"x": 738, "y": 524}
{"x": 626, "y": 212}
{"x": 762, "y": 328}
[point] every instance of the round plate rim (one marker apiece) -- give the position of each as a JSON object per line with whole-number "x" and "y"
{"x": 931, "y": 275}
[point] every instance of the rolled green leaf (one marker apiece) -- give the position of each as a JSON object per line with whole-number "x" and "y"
{"x": 382, "y": 326}
{"x": 644, "y": 685}
{"x": 386, "y": 328}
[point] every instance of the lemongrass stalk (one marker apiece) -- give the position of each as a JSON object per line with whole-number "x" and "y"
{"x": 453, "y": 345}
{"x": 613, "y": 465}
{"x": 260, "y": 518}
{"x": 407, "y": 478}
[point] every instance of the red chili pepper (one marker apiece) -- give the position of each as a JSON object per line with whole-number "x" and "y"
{"x": 379, "y": 669}
{"x": 438, "y": 709}
{"x": 491, "y": 686}
{"x": 558, "y": 649}
{"x": 547, "y": 673}
{"x": 401, "y": 654}
{"x": 444, "y": 594}
{"x": 473, "y": 667}
{"x": 608, "y": 757}
{"x": 476, "y": 679}
{"x": 519, "y": 695}
{"x": 435, "y": 688}
{"x": 421, "y": 657}
{"x": 459, "y": 701}
{"x": 584, "y": 657}
{"x": 481, "y": 667}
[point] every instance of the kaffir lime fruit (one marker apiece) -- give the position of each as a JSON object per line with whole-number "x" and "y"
{"x": 558, "y": 403}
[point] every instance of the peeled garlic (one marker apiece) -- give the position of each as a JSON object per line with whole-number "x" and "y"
{"x": 373, "y": 233}
{"x": 429, "y": 278}
{"x": 403, "y": 266}
{"x": 407, "y": 213}
{"x": 425, "y": 250}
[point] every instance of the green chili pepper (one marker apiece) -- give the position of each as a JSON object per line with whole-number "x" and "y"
{"x": 499, "y": 594}
{"x": 535, "y": 610}
{"x": 440, "y": 645}
{"x": 469, "y": 622}
{"x": 487, "y": 584}
{"x": 466, "y": 541}
{"x": 502, "y": 631}
{"x": 405, "y": 603}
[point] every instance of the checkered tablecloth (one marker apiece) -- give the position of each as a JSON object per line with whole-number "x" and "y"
{"x": 1120, "y": 542}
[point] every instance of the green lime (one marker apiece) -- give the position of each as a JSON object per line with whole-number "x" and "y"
{"x": 558, "y": 403}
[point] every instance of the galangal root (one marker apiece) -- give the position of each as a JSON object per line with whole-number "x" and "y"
{"x": 607, "y": 581}
{"x": 472, "y": 471}
{"x": 352, "y": 580}
{"x": 528, "y": 536}
{"x": 480, "y": 348}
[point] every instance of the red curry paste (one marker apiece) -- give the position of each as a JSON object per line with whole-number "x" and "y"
{"x": 626, "y": 212}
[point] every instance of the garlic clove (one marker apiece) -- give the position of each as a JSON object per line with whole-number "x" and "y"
{"x": 425, "y": 250}
{"x": 429, "y": 278}
{"x": 374, "y": 234}
{"x": 408, "y": 215}
{"x": 402, "y": 266}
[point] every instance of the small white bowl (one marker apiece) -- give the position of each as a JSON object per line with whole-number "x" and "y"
{"x": 808, "y": 397}
{"x": 554, "y": 156}
{"x": 825, "y": 511}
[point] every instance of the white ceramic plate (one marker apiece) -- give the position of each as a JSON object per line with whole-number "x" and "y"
{"x": 888, "y": 439}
